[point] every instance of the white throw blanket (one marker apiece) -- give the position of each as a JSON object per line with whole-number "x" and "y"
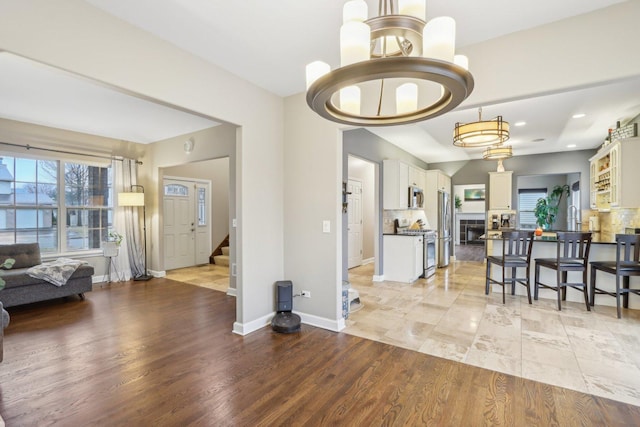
{"x": 55, "y": 272}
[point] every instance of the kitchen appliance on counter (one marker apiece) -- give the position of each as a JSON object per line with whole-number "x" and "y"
{"x": 444, "y": 228}
{"x": 402, "y": 226}
{"x": 594, "y": 223}
{"x": 501, "y": 220}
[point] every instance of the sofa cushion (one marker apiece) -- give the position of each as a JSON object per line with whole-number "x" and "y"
{"x": 25, "y": 254}
{"x": 14, "y": 278}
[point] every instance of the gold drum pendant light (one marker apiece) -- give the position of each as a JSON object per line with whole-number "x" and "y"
{"x": 481, "y": 133}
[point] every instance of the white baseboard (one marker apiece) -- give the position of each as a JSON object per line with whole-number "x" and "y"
{"x": 254, "y": 325}
{"x": 368, "y": 261}
{"x": 378, "y": 278}
{"x": 156, "y": 273}
{"x": 232, "y": 292}
{"x": 307, "y": 319}
{"x": 322, "y": 322}
{"x": 99, "y": 279}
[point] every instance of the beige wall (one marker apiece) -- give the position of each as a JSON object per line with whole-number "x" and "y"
{"x": 75, "y": 36}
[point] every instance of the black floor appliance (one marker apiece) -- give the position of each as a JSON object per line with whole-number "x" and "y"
{"x": 285, "y": 321}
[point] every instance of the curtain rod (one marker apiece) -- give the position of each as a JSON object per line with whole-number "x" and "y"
{"x": 31, "y": 147}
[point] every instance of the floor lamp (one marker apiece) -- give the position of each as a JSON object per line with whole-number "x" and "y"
{"x": 135, "y": 198}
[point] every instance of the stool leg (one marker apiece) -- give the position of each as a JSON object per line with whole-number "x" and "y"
{"x": 593, "y": 285}
{"x": 584, "y": 288}
{"x": 528, "y": 285}
{"x": 536, "y": 279}
{"x": 486, "y": 290}
{"x": 618, "y": 296}
{"x": 558, "y": 281}
{"x": 513, "y": 282}
{"x": 503, "y": 285}
{"x": 625, "y": 296}
{"x": 564, "y": 287}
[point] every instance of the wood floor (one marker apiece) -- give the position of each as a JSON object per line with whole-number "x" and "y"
{"x": 162, "y": 353}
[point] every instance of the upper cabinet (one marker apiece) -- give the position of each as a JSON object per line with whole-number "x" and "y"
{"x": 500, "y": 190}
{"x": 614, "y": 173}
{"x": 397, "y": 178}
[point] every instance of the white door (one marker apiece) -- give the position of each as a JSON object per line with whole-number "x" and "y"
{"x": 354, "y": 214}
{"x": 187, "y": 229}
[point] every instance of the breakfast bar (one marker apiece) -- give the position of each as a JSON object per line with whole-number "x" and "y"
{"x": 603, "y": 248}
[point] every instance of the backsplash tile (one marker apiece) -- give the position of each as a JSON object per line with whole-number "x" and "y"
{"x": 388, "y": 216}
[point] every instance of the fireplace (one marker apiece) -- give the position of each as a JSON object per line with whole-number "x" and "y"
{"x": 470, "y": 231}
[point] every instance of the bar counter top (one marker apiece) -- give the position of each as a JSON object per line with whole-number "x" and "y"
{"x": 597, "y": 237}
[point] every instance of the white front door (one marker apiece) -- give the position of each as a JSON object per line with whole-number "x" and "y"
{"x": 354, "y": 214}
{"x": 187, "y": 223}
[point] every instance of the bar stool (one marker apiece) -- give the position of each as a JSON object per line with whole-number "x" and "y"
{"x": 627, "y": 264}
{"x": 516, "y": 253}
{"x": 572, "y": 255}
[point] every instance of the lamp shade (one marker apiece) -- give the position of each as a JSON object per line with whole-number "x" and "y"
{"x": 131, "y": 199}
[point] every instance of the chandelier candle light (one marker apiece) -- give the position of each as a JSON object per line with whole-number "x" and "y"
{"x": 394, "y": 68}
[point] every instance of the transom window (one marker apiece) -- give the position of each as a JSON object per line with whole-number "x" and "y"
{"x": 41, "y": 200}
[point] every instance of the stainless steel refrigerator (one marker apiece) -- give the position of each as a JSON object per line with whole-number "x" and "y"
{"x": 444, "y": 228}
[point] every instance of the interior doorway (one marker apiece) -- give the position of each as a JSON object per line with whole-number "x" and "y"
{"x": 187, "y": 222}
{"x": 362, "y": 175}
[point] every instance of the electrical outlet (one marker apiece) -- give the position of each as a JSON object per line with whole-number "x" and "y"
{"x": 306, "y": 294}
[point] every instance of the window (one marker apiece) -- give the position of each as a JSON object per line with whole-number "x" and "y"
{"x": 202, "y": 207}
{"x": 39, "y": 203}
{"x": 527, "y": 199}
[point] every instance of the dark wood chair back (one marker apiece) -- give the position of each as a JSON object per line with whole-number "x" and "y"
{"x": 574, "y": 245}
{"x": 517, "y": 243}
{"x": 627, "y": 249}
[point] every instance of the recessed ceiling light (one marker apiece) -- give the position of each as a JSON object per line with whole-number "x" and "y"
{"x": 571, "y": 146}
{"x": 578, "y": 115}
{"x": 520, "y": 123}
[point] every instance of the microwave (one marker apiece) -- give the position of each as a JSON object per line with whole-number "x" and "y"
{"x": 416, "y": 197}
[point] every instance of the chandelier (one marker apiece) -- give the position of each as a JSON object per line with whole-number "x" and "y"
{"x": 394, "y": 68}
{"x": 481, "y": 133}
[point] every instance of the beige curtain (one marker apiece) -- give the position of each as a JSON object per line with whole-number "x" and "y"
{"x": 130, "y": 262}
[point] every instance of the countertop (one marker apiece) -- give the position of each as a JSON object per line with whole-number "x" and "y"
{"x": 550, "y": 236}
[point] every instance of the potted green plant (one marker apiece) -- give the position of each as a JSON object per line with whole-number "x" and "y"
{"x": 546, "y": 210}
{"x": 457, "y": 202}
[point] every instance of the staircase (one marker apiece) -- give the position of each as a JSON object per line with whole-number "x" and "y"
{"x": 220, "y": 256}
{"x": 222, "y": 259}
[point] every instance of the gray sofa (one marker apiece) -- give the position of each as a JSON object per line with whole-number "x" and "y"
{"x": 20, "y": 288}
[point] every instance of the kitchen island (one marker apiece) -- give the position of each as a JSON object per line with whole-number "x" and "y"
{"x": 603, "y": 248}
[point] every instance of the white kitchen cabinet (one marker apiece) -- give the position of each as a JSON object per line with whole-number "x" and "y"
{"x": 500, "y": 190}
{"x": 615, "y": 176}
{"x": 397, "y": 177}
{"x": 416, "y": 177}
{"x": 403, "y": 257}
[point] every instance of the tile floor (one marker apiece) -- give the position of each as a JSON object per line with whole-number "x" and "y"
{"x": 207, "y": 276}
{"x": 449, "y": 316}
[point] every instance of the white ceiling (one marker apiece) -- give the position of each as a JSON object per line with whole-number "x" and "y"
{"x": 245, "y": 36}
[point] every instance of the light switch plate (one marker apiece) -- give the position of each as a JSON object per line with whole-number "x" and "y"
{"x": 326, "y": 226}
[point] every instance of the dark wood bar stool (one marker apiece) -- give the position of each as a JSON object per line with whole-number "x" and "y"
{"x": 572, "y": 255}
{"x": 627, "y": 264}
{"x": 516, "y": 253}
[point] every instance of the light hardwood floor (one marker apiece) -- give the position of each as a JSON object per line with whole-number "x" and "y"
{"x": 162, "y": 353}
